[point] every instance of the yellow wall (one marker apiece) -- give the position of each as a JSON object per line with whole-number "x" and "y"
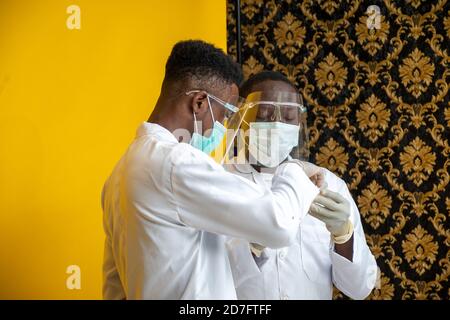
{"x": 70, "y": 102}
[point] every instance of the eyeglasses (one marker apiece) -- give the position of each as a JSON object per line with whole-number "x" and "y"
{"x": 230, "y": 108}
{"x": 269, "y": 111}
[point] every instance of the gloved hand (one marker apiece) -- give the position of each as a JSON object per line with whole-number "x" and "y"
{"x": 315, "y": 173}
{"x": 334, "y": 210}
{"x": 257, "y": 249}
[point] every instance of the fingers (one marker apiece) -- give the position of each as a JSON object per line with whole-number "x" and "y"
{"x": 312, "y": 169}
{"x": 318, "y": 179}
{"x": 336, "y": 197}
{"x": 313, "y": 211}
{"x": 323, "y": 185}
{"x": 314, "y": 180}
{"x": 326, "y": 202}
{"x": 309, "y": 168}
{"x": 321, "y": 180}
{"x": 320, "y": 212}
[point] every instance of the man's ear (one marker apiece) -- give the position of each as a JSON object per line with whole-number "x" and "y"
{"x": 199, "y": 103}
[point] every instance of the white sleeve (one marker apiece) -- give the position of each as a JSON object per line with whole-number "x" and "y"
{"x": 211, "y": 199}
{"x": 112, "y": 286}
{"x": 356, "y": 278}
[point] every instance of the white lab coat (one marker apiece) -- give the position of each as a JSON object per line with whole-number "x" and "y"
{"x": 308, "y": 268}
{"x": 167, "y": 208}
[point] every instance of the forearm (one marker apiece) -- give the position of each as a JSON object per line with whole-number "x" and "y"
{"x": 354, "y": 278}
{"x": 345, "y": 249}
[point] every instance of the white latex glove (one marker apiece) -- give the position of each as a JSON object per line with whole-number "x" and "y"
{"x": 315, "y": 173}
{"x": 256, "y": 249}
{"x": 334, "y": 210}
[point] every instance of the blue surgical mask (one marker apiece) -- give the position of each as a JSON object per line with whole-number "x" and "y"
{"x": 208, "y": 144}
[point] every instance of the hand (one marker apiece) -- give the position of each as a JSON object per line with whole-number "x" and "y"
{"x": 315, "y": 173}
{"x": 334, "y": 210}
{"x": 256, "y": 249}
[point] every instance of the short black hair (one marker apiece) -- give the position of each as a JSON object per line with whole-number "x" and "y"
{"x": 246, "y": 87}
{"x": 201, "y": 60}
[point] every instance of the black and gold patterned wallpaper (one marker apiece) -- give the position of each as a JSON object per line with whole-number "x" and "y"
{"x": 376, "y": 83}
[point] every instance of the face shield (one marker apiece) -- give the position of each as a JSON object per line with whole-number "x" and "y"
{"x": 212, "y": 141}
{"x": 269, "y": 128}
{"x": 218, "y": 154}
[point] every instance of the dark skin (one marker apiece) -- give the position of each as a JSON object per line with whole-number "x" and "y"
{"x": 345, "y": 249}
{"x": 176, "y": 111}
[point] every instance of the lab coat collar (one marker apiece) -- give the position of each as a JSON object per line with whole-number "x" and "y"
{"x": 147, "y": 128}
{"x": 245, "y": 168}
{"x": 260, "y": 178}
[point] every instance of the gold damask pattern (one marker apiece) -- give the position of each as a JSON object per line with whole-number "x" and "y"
{"x": 374, "y": 204}
{"x": 416, "y": 73}
{"x": 377, "y": 90}
{"x": 373, "y": 118}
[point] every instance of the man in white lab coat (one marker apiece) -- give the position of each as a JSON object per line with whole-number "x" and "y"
{"x": 168, "y": 206}
{"x": 307, "y": 268}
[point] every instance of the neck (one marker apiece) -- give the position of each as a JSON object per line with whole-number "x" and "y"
{"x": 263, "y": 169}
{"x": 162, "y": 121}
{"x": 256, "y": 167}
{"x": 163, "y": 114}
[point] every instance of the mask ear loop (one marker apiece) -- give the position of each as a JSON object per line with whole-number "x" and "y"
{"x": 210, "y": 109}
{"x": 195, "y": 123}
{"x": 195, "y": 118}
